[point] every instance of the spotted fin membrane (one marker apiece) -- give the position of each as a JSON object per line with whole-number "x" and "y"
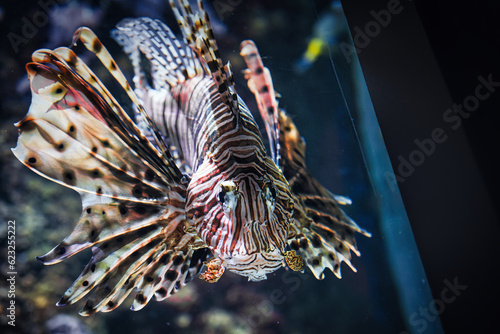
{"x": 322, "y": 234}
{"x": 133, "y": 195}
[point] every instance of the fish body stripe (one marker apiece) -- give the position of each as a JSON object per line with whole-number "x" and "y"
{"x": 194, "y": 117}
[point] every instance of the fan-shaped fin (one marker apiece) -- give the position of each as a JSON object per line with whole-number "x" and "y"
{"x": 112, "y": 258}
{"x": 174, "y": 268}
{"x": 133, "y": 197}
{"x": 52, "y": 152}
{"x": 66, "y": 113}
{"x": 322, "y": 234}
{"x": 156, "y": 259}
{"x": 92, "y": 43}
{"x": 103, "y": 221}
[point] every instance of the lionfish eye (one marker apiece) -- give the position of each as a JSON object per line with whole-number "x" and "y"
{"x": 221, "y": 196}
{"x": 273, "y": 192}
{"x": 228, "y": 193}
{"x": 270, "y": 192}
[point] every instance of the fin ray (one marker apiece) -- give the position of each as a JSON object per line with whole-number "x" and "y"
{"x": 198, "y": 34}
{"x": 322, "y": 234}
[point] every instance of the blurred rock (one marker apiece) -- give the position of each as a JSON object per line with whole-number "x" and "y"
{"x": 66, "y": 324}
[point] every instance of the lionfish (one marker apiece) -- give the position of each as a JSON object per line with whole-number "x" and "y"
{"x": 188, "y": 189}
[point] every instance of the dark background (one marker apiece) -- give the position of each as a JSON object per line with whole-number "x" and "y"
{"x": 426, "y": 59}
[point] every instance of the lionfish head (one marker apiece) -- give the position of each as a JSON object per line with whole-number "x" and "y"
{"x": 245, "y": 219}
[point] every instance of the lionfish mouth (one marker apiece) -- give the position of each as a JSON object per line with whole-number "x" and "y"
{"x": 257, "y": 265}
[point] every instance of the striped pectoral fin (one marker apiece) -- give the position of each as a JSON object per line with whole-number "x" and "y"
{"x": 161, "y": 271}
{"x": 71, "y": 136}
{"x": 81, "y": 85}
{"x": 56, "y": 155}
{"x": 127, "y": 238}
{"x": 164, "y": 272}
{"x": 111, "y": 259}
{"x": 324, "y": 235}
{"x": 178, "y": 263}
{"x": 114, "y": 287}
{"x": 103, "y": 219}
{"x": 170, "y": 271}
{"x": 155, "y": 258}
{"x": 92, "y": 43}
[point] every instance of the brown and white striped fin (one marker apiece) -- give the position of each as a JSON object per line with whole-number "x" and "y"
{"x": 322, "y": 234}
{"x": 112, "y": 260}
{"x": 92, "y": 43}
{"x": 133, "y": 198}
{"x": 72, "y": 77}
{"x": 198, "y": 33}
{"x": 173, "y": 269}
{"x": 148, "y": 248}
{"x": 171, "y": 61}
{"x": 260, "y": 83}
{"x": 155, "y": 264}
{"x": 63, "y": 138}
{"x": 103, "y": 219}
